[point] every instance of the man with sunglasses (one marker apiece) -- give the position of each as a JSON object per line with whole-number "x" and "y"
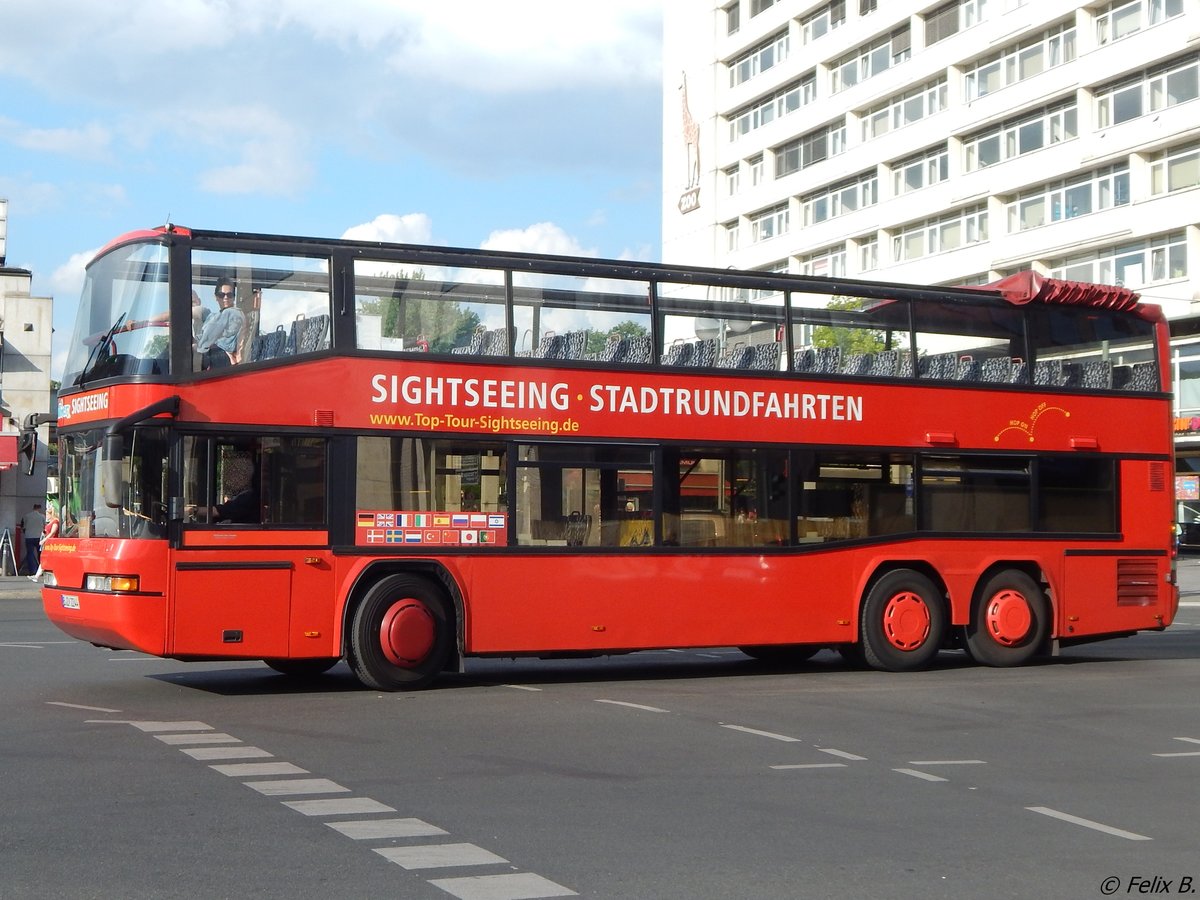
{"x": 218, "y": 342}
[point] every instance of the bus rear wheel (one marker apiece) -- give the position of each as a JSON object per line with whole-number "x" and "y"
{"x": 902, "y": 623}
{"x": 400, "y": 638}
{"x": 1009, "y": 620}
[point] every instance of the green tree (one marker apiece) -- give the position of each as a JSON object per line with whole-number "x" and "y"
{"x": 598, "y": 339}
{"x": 850, "y": 338}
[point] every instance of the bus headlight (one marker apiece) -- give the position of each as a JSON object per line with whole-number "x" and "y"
{"x": 48, "y": 579}
{"x": 110, "y": 583}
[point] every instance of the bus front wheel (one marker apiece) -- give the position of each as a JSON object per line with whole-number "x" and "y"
{"x": 400, "y": 637}
{"x": 903, "y": 622}
{"x": 1009, "y": 621}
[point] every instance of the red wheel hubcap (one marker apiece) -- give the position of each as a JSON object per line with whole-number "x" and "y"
{"x": 406, "y": 633}
{"x": 1008, "y": 617}
{"x": 906, "y": 621}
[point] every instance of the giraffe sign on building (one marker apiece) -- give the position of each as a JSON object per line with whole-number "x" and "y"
{"x": 690, "y": 198}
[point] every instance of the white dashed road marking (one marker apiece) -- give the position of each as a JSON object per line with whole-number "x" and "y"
{"x": 244, "y": 770}
{"x": 240, "y": 752}
{"x": 292, "y": 787}
{"x": 633, "y": 705}
{"x": 842, "y": 753}
{"x": 502, "y": 887}
{"x": 1088, "y": 823}
{"x": 213, "y": 737}
{"x": 812, "y": 766}
{"x": 349, "y": 806}
{"x": 925, "y": 776}
{"x": 767, "y": 734}
{"x": 439, "y": 856}
{"x": 375, "y": 829}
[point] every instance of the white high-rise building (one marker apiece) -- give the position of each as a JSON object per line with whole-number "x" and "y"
{"x": 942, "y": 143}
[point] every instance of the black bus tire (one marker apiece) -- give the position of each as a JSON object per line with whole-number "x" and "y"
{"x": 303, "y": 668}
{"x": 902, "y": 622}
{"x": 401, "y": 635}
{"x": 1010, "y": 620}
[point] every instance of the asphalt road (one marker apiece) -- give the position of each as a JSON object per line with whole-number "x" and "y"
{"x": 697, "y": 774}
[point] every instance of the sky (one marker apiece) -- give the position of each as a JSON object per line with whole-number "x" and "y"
{"x": 533, "y": 125}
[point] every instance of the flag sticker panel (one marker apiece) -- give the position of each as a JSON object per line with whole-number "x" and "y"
{"x": 388, "y": 530}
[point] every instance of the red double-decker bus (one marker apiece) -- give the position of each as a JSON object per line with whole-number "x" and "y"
{"x": 305, "y": 451}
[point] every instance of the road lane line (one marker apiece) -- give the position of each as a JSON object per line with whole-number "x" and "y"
{"x": 246, "y": 770}
{"x": 922, "y": 775}
{"x": 284, "y": 787}
{"x": 767, "y": 734}
{"x": 1194, "y": 753}
{"x": 947, "y": 762}
{"x": 439, "y": 856}
{"x": 842, "y": 753}
{"x": 518, "y": 886}
{"x": 203, "y": 737}
{"x": 1189, "y": 740}
{"x": 170, "y": 726}
{"x": 1088, "y": 823}
{"x": 633, "y": 705}
{"x": 80, "y": 706}
{"x": 812, "y": 766}
{"x": 375, "y": 829}
{"x": 242, "y": 752}
{"x": 356, "y": 805}
{"x": 521, "y": 687}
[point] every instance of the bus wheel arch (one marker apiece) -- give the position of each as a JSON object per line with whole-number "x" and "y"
{"x": 1010, "y": 616}
{"x": 401, "y": 630}
{"x": 903, "y": 617}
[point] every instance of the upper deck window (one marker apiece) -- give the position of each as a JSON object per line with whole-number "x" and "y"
{"x": 122, "y": 324}
{"x": 253, "y": 306}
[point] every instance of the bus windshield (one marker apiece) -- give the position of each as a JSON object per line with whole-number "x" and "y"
{"x": 122, "y": 324}
{"x": 143, "y": 510}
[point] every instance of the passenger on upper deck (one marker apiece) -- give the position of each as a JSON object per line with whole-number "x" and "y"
{"x": 218, "y": 343}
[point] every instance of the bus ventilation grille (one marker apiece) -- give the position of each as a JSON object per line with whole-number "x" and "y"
{"x": 1137, "y": 582}
{"x": 1158, "y": 477}
{"x": 323, "y": 418}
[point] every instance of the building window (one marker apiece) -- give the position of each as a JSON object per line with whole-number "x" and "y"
{"x": 917, "y": 172}
{"x": 779, "y": 104}
{"x": 731, "y": 235}
{"x": 868, "y": 254}
{"x": 823, "y": 21}
{"x": 842, "y": 199}
{"x": 1175, "y": 170}
{"x": 1014, "y": 64}
{"x": 732, "y": 180}
{"x": 810, "y": 149}
{"x": 758, "y": 6}
{"x": 733, "y": 18}
{"x": 1103, "y": 189}
{"x": 1132, "y": 265}
{"x": 1155, "y": 90}
{"x": 940, "y": 235}
{"x": 763, "y": 57}
{"x": 1122, "y": 19}
{"x": 756, "y": 170}
{"x": 904, "y": 109}
{"x": 770, "y": 223}
{"x": 1021, "y": 136}
{"x": 948, "y": 20}
{"x": 827, "y": 263}
{"x": 871, "y": 59}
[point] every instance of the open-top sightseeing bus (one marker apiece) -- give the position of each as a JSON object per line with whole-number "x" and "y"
{"x": 404, "y": 456}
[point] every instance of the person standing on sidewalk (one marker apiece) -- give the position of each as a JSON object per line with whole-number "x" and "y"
{"x": 49, "y": 532}
{"x": 32, "y": 526}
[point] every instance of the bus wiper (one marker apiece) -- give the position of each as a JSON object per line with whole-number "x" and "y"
{"x": 94, "y": 355}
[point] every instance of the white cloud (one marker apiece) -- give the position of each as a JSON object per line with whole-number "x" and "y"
{"x": 544, "y": 237}
{"x": 414, "y": 228}
{"x": 66, "y": 281}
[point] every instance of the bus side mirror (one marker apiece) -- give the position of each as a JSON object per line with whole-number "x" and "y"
{"x": 28, "y": 450}
{"x": 110, "y": 470}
